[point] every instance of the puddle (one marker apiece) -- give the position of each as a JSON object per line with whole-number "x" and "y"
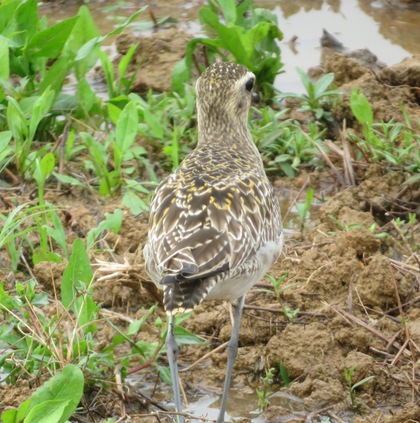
{"x": 390, "y": 32}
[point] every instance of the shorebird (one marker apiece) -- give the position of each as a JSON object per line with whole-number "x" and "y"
{"x": 215, "y": 227}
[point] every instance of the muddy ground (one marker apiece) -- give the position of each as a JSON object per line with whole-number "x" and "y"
{"x": 350, "y": 285}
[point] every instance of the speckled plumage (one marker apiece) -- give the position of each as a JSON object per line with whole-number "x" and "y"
{"x": 215, "y": 225}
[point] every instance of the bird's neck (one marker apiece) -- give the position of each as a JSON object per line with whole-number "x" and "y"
{"x": 223, "y": 131}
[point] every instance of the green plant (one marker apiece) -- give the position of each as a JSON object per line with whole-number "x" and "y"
{"x": 262, "y": 393}
{"x": 112, "y": 221}
{"x": 53, "y": 402}
{"x": 304, "y": 208}
{"x": 277, "y": 283}
{"x": 248, "y": 34}
{"x": 319, "y": 97}
{"x": 348, "y": 375}
{"x": 34, "y": 342}
{"x": 282, "y": 143}
{"x": 23, "y": 125}
{"x": 394, "y": 142}
{"x": 284, "y": 374}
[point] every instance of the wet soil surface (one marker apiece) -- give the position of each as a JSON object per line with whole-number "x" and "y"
{"x": 350, "y": 279}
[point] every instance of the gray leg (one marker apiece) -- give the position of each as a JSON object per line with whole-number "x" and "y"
{"x": 172, "y": 352}
{"x": 232, "y": 350}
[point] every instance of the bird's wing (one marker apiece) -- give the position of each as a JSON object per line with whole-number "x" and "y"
{"x": 206, "y": 227}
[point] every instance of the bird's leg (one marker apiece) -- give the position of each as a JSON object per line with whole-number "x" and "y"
{"x": 232, "y": 350}
{"x": 172, "y": 352}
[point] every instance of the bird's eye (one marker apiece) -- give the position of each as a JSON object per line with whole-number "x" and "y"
{"x": 249, "y": 84}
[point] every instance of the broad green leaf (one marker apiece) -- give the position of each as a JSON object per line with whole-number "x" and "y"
{"x": 50, "y": 42}
{"x": 228, "y": 9}
{"x": 4, "y": 58}
{"x": 77, "y": 279}
{"x": 16, "y": 121}
{"x": 126, "y": 129}
{"x": 51, "y": 411}
{"x": 108, "y": 69}
{"x": 125, "y": 61}
{"x": 55, "y": 75}
{"x": 84, "y": 30}
{"x": 112, "y": 221}
{"x": 5, "y": 148}
{"x": 24, "y": 23}
{"x": 164, "y": 373}
{"x": 66, "y": 386}
{"x": 47, "y": 164}
{"x": 66, "y": 179}
{"x": 134, "y": 203}
{"x": 322, "y": 84}
{"x": 41, "y": 107}
{"x": 135, "y": 326}
{"x": 361, "y": 108}
{"x": 7, "y": 10}
{"x": 85, "y": 95}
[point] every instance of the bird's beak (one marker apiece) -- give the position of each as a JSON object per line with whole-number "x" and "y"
{"x": 255, "y": 98}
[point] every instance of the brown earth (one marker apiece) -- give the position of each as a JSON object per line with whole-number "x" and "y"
{"x": 351, "y": 276}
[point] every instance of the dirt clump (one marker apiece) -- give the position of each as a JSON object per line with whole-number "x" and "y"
{"x": 157, "y": 55}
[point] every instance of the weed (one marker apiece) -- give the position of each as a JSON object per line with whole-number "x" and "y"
{"x": 282, "y": 143}
{"x": 304, "y": 208}
{"x": 395, "y": 143}
{"x": 319, "y": 97}
{"x": 348, "y": 374}
{"x": 262, "y": 393}
{"x": 53, "y": 402}
{"x": 247, "y": 33}
{"x": 284, "y": 374}
{"x": 278, "y": 283}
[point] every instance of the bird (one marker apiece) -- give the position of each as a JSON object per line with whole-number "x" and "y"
{"x": 215, "y": 225}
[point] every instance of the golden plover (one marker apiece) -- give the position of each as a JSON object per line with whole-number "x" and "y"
{"x": 215, "y": 226}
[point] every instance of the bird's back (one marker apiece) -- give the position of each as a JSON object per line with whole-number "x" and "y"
{"x": 208, "y": 222}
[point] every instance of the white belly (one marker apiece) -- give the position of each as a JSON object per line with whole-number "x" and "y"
{"x": 238, "y": 281}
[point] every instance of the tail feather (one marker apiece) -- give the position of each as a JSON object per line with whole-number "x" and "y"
{"x": 183, "y": 296}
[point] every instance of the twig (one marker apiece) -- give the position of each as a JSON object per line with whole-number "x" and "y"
{"x": 204, "y": 357}
{"x": 296, "y": 199}
{"x": 347, "y": 160}
{"x": 402, "y": 314}
{"x": 354, "y": 319}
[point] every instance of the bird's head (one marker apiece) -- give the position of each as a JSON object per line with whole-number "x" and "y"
{"x": 224, "y": 95}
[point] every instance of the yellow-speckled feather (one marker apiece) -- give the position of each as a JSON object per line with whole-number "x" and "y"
{"x": 210, "y": 218}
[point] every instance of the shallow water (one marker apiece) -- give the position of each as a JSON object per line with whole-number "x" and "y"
{"x": 389, "y": 31}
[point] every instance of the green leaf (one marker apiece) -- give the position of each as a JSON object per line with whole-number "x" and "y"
{"x": 41, "y": 107}
{"x": 66, "y": 179}
{"x": 5, "y": 149}
{"x": 112, "y": 221}
{"x": 50, "y": 42}
{"x": 361, "y": 108}
{"x": 4, "y": 58}
{"x": 51, "y": 411}
{"x": 322, "y": 84}
{"x": 24, "y": 23}
{"x": 361, "y": 382}
{"x": 185, "y": 337}
{"x": 125, "y": 131}
{"x": 62, "y": 392}
{"x": 47, "y": 164}
{"x": 77, "y": 279}
{"x": 134, "y": 203}
{"x": 88, "y": 47}
{"x": 164, "y": 374}
{"x": 228, "y": 9}
{"x": 7, "y": 10}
